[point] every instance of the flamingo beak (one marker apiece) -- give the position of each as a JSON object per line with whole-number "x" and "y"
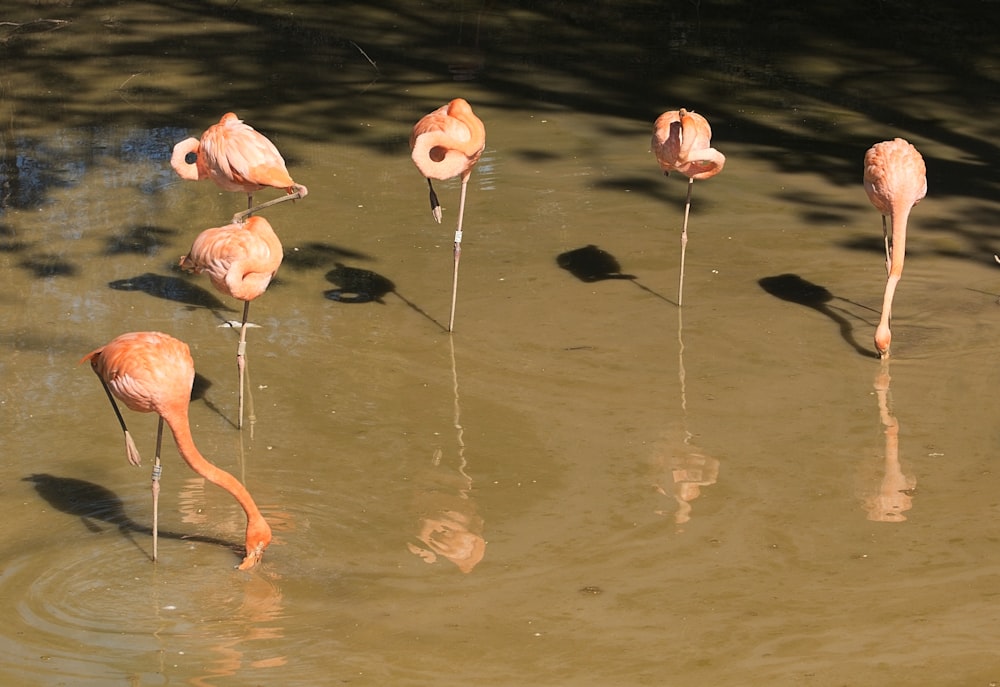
{"x": 253, "y": 556}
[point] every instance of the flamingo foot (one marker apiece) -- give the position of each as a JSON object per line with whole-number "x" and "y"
{"x": 131, "y": 451}
{"x": 435, "y": 203}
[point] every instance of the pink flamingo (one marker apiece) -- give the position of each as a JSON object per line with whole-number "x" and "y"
{"x": 682, "y": 142}
{"x": 152, "y": 372}
{"x": 240, "y": 259}
{"x": 444, "y": 144}
{"x": 895, "y": 180}
{"x": 237, "y": 158}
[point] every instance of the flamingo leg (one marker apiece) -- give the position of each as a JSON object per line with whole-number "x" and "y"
{"x": 241, "y": 358}
{"x": 131, "y": 451}
{"x": 435, "y": 203}
{"x": 458, "y": 253}
{"x": 888, "y": 245}
{"x": 155, "y": 488}
{"x": 684, "y": 241}
{"x": 241, "y": 217}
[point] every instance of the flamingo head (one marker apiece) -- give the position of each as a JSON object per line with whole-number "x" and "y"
{"x": 184, "y": 159}
{"x": 258, "y": 537}
{"x": 883, "y": 337}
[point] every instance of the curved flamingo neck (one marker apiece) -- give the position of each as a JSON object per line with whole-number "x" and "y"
{"x": 177, "y": 420}
{"x": 899, "y": 218}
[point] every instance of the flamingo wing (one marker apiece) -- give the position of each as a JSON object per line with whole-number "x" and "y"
{"x": 240, "y": 259}
{"x": 895, "y": 175}
{"x": 145, "y": 370}
{"x": 241, "y": 159}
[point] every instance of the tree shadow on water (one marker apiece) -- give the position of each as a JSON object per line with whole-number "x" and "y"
{"x": 795, "y": 289}
{"x": 48, "y": 265}
{"x": 140, "y": 240}
{"x": 94, "y": 504}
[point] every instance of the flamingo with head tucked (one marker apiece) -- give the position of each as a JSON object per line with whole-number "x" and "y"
{"x": 240, "y": 259}
{"x": 682, "y": 142}
{"x": 237, "y": 158}
{"x": 445, "y": 144}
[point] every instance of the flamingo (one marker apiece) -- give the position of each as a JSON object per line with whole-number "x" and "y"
{"x": 682, "y": 142}
{"x": 445, "y": 144}
{"x": 241, "y": 259}
{"x": 154, "y": 372}
{"x": 895, "y": 180}
{"x": 237, "y": 158}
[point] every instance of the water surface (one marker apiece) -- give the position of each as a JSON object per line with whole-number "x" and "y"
{"x": 581, "y": 485}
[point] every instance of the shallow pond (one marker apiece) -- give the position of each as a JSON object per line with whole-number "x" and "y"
{"x": 583, "y": 484}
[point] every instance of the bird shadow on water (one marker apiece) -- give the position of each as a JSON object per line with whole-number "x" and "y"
{"x": 357, "y": 285}
{"x": 170, "y": 288}
{"x": 318, "y": 254}
{"x": 94, "y": 504}
{"x": 591, "y": 264}
{"x": 795, "y": 289}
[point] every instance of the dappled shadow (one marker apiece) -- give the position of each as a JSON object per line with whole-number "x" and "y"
{"x": 314, "y": 74}
{"x": 10, "y": 242}
{"x": 795, "y": 289}
{"x": 141, "y": 240}
{"x": 44, "y": 265}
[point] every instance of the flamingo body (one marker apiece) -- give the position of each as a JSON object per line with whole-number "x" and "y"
{"x": 682, "y": 142}
{"x": 240, "y": 259}
{"x": 448, "y": 142}
{"x": 151, "y": 372}
{"x": 895, "y": 179}
{"x": 236, "y": 157}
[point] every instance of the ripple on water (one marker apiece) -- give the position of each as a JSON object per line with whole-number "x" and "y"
{"x": 102, "y": 614}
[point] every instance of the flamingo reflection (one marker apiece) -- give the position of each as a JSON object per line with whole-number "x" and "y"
{"x": 449, "y": 525}
{"x": 893, "y": 494}
{"x": 255, "y": 621}
{"x": 684, "y": 472}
